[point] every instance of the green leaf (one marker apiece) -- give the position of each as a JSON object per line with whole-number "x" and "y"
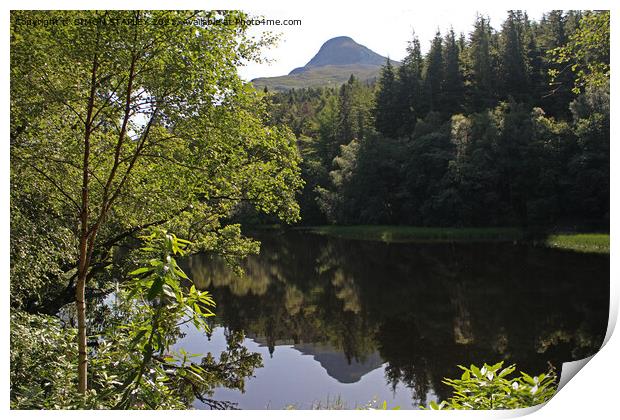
{"x": 475, "y": 371}
{"x": 496, "y": 366}
{"x": 506, "y": 371}
{"x": 528, "y": 378}
{"x": 140, "y": 271}
{"x": 168, "y": 291}
{"x": 156, "y": 288}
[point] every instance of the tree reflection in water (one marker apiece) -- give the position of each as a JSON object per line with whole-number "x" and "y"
{"x": 420, "y": 308}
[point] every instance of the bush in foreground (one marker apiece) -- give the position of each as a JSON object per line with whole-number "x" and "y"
{"x": 492, "y": 388}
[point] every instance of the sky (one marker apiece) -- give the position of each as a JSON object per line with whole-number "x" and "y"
{"x": 385, "y": 31}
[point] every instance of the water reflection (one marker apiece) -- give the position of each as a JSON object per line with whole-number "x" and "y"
{"x": 415, "y": 310}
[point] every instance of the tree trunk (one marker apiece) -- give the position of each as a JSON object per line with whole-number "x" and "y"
{"x": 80, "y": 288}
{"x": 89, "y": 233}
{"x": 80, "y": 303}
{"x": 85, "y": 250}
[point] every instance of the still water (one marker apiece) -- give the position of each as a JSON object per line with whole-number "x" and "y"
{"x": 357, "y": 321}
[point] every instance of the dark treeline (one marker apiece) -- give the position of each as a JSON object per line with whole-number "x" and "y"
{"x": 498, "y": 127}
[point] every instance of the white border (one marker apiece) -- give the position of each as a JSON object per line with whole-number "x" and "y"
{"x": 592, "y": 393}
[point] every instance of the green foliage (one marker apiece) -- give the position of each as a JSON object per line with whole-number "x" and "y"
{"x": 160, "y": 282}
{"x": 325, "y": 120}
{"x": 492, "y": 388}
{"x": 42, "y": 246}
{"x": 196, "y": 144}
{"x": 453, "y": 89}
{"x": 587, "y": 52}
{"x": 332, "y": 203}
{"x": 132, "y": 364}
{"x": 588, "y": 169}
{"x": 554, "y": 81}
{"x": 409, "y": 89}
{"x": 434, "y": 74}
{"x": 119, "y": 124}
{"x": 43, "y": 354}
{"x": 512, "y": 166}
{"x": 525, "y": 151}
{"x": 480, "y": 62}
{"x": 386, "y": 111}
{"x": 151, "y": 308}
{"x": 516, "y": 70}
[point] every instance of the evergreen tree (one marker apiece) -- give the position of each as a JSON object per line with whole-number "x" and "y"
{"x": 344, "y": 128}
{"x": 354, "y": 103}
{"x": 537, "y": 74}
{"x": 481, "y": 77}
{"x": 410, "y": 99}
{"x": 328, "y": 128}
{"x": 515, "y": 76}
{"x": 433, "y": 76}
{"x": 452, "y": 84}
{"x": 465, "y": 133}
{"x": 386, "y": 110}
{"x": 554, "y": 96}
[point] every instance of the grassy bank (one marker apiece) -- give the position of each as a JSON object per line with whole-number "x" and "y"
{"x": 391, "y": 234}
{"x": 582, "y": 242}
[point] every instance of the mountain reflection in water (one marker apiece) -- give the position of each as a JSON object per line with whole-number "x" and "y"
{"x": 364, "y": 320}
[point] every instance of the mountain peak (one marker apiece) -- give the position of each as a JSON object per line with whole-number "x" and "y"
{"x": 342, "y": 51}
{"x": 339, "y": 39}
{"x": 337, "y": 59}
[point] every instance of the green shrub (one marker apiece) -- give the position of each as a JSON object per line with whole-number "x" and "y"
{"x": 492, "y": 388}
{"x": 42, "y": 362}
{"x": 132, "y": 364}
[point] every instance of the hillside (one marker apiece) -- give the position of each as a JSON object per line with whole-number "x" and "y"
{"x": 332, "y": 65}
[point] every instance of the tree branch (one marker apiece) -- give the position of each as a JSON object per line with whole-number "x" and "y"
{"x": 51, "y": 181}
